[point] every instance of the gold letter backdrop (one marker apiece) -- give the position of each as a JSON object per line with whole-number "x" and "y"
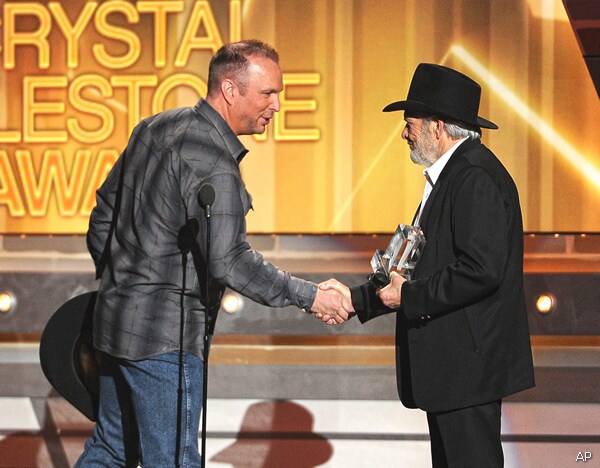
{"x": 76, "y": 80}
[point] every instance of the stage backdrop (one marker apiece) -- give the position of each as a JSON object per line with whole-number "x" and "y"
{"x": 77, "y": 76}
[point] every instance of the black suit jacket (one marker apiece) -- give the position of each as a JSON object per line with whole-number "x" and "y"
{"x": 462, "y": 336}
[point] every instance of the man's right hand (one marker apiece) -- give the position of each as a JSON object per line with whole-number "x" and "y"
{"x": 332, "y": 306}
{"x": 337, "y": 306}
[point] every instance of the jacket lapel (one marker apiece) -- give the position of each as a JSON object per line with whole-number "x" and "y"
{"x": 416, "y": 214}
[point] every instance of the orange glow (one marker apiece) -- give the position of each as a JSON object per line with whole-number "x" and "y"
{"x": 76, "y": 77}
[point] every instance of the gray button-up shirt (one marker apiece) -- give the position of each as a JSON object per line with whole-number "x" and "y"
{"x": 149, "y": 278}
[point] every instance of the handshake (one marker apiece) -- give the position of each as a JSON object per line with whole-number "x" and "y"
{"x": 333, "y": 302}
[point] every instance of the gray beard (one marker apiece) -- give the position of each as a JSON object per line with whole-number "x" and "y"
{"x": 425, "y": 151}
{"x": 418, "y": 157}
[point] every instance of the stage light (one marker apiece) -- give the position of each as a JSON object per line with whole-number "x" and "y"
{"x": 581, "y": 162}
{"x": 545, "y": 303}
{"x": 8, "y": 302}
{"x": 232, "y": 303}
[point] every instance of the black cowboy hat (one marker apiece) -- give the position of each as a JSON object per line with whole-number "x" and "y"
{"x": 442, "y": 91}
{"x": 67, "y": 354}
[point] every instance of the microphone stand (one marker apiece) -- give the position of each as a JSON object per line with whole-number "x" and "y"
{"x": 206, "y": 197}
{"x": 206, "y": 341}
{"x": 180, "y": 365}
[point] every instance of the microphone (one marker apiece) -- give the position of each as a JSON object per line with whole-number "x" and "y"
{"x": 206, "y": 197}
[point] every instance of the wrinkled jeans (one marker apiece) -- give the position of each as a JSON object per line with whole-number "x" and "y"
{"x": 138, "y": 413}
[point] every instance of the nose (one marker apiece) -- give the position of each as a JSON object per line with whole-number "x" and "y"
{"x": 405, "y": 133}
{"x": 275, "y": 104}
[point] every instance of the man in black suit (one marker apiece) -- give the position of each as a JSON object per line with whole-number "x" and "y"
{"x": 462, "y": 338}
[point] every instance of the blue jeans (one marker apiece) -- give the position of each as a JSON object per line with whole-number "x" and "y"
{"x": 138, "y": 415}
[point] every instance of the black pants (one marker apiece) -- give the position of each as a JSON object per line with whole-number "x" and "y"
{"x": 468, "y": 437}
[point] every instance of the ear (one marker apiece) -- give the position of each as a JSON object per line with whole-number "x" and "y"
{"x": 438, "y": 128}
{"x": 228, "y": 90}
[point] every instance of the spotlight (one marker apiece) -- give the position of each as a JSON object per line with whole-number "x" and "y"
{"x": 232, "y": 303}
{"x": 545, "y": 303}
{"x": 8, "y": 302}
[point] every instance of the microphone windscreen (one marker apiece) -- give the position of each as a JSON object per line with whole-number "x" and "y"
{"x": 206, "y": 195}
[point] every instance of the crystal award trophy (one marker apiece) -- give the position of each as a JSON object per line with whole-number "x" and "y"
{"x": 401, "y": 255}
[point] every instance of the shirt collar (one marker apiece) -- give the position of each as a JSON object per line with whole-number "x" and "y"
{"x": 432, "y": 173}
{"x": 233, "y": 143}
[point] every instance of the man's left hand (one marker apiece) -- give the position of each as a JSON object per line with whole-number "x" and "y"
{"x": 391, "y": 295}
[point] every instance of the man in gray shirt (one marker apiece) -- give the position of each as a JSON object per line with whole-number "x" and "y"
{"x": 147, "y": 236}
